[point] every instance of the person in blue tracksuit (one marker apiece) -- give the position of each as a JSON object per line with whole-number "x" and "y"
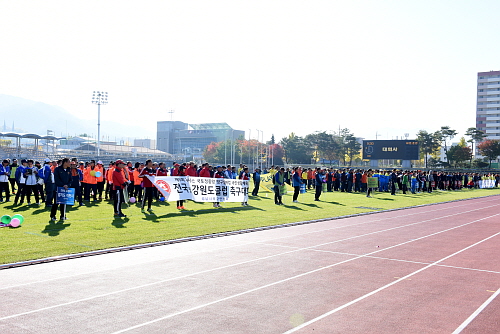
{"x": 320, "y": 177}
{"x": 4, "y": 180}
{"x": 296, "y": 183}
{"x": 256, "y": 182}
{"x": 48, "y": 180}
{"x": 21, "y": 182}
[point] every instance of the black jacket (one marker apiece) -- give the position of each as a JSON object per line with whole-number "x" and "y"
{"x": 62, "y": 177}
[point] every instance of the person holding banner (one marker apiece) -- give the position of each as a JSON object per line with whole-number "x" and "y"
{"x": 279, "y": 186}
{"x": 219, "y": 174}
{"x": 181, "y": 172}
{"x": 372, "y": 182}
{"x": 119, "y": 183}
{"x": 62, "y": 179}
{"x": 148, "y": 186}
{"x": 245, "y": 176}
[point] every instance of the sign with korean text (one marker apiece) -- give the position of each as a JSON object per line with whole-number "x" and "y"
{"x": 373, "y": 182}
{"x": 65, "y": 196}
{"x": 201, "y": 189}
{"x": 391, "y": 149}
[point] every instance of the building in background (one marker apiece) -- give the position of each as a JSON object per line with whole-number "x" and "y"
{"x": 189, "y": 140}
{"x": 148, "y": 143}
{"x": 488, "y": 104}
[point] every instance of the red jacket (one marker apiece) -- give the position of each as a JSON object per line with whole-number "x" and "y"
{"x": 205, "y": 172}
{"x": 118, "y": 179}
{"x": 161, "y": 172}
{"x": 191, "y": 171}
{"x": 145, "y": 181}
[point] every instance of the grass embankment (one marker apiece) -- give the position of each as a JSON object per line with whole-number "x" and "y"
{"x": 93, "y": 226}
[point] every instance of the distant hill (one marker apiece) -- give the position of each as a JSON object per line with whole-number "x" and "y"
{"x": 37, "y": 117}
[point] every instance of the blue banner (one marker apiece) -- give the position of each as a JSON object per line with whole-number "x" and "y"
{"x": 65, "y": 196}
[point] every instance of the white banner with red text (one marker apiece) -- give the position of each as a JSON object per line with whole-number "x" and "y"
{"x": 201, "y": 189}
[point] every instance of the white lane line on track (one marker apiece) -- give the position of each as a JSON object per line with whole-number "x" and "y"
{"x": 317, "y": 270}
{"x": 244, "y": 244}
{"x": 324, "y": 315}
{"x": 476, "y": 313}
{"x": 250, "y": 261}
{"x": 408, "y": 261}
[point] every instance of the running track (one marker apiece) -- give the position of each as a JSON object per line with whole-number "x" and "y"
{"x": 433, "y": 269}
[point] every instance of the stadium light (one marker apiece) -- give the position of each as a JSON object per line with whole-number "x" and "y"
{"x": 99, "y": 98}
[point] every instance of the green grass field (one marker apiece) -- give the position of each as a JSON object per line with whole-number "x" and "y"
{"x": 93, "y": 226}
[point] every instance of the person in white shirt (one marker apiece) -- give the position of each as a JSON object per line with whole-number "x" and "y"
{"x": 31, "y": 175}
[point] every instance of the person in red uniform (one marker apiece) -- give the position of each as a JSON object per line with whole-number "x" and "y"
{"x": 130, "y": 170}
{"x": 205, "y": 171}
{"x": 160, "y": 171}
{"x": 119, "y": 183}
{"x": 148, "y": 185}
{"x": 219, "y": 174}
{"x": 191, "y": 169}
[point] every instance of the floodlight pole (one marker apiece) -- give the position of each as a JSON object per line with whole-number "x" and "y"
{"x": 99, "y": 98}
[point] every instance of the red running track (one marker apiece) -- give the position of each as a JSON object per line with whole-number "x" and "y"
{"x": 433, "y": 269}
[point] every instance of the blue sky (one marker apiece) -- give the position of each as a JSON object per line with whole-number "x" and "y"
{"x": 375, "y": 67}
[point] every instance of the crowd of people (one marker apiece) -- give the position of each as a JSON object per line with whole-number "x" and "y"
{"x": 357, "y": 180}
{"x": 93, "y": 180}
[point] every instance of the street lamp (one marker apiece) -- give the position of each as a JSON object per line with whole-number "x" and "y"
{"x": 259, "y": 156}
{"x": 99, "y": 98}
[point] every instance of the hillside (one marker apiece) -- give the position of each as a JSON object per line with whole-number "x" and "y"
{"x": 38, "y": 117}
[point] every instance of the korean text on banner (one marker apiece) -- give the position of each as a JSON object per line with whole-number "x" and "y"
{"x": 65, "y": 196}
{"x": 201, "y": 189}
{"x": 373, "y": 182}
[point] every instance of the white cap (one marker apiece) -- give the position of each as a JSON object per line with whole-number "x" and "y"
{"x": 47, "y": 160}
{"x": 99, "y": 162}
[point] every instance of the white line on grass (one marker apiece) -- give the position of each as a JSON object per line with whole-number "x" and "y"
{"x": 476, "y": 313}
{"x": 317, "y": 270}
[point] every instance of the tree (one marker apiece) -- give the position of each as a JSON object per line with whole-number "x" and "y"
{"x": 324, "y": 145}
{"x": 429, "y": 143}
{"x": 446, "y": 133}
{"x": 348, "y": 145}
{"x": 458, "y": 154}
{"x": 295, "y": 149}
{"x": 475, "y": 135}
{"x": 210, "y": 151}
{"x": 479, "y": 163}
{"x": 489, "y": 149}
{"x": 275, "y": 154}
